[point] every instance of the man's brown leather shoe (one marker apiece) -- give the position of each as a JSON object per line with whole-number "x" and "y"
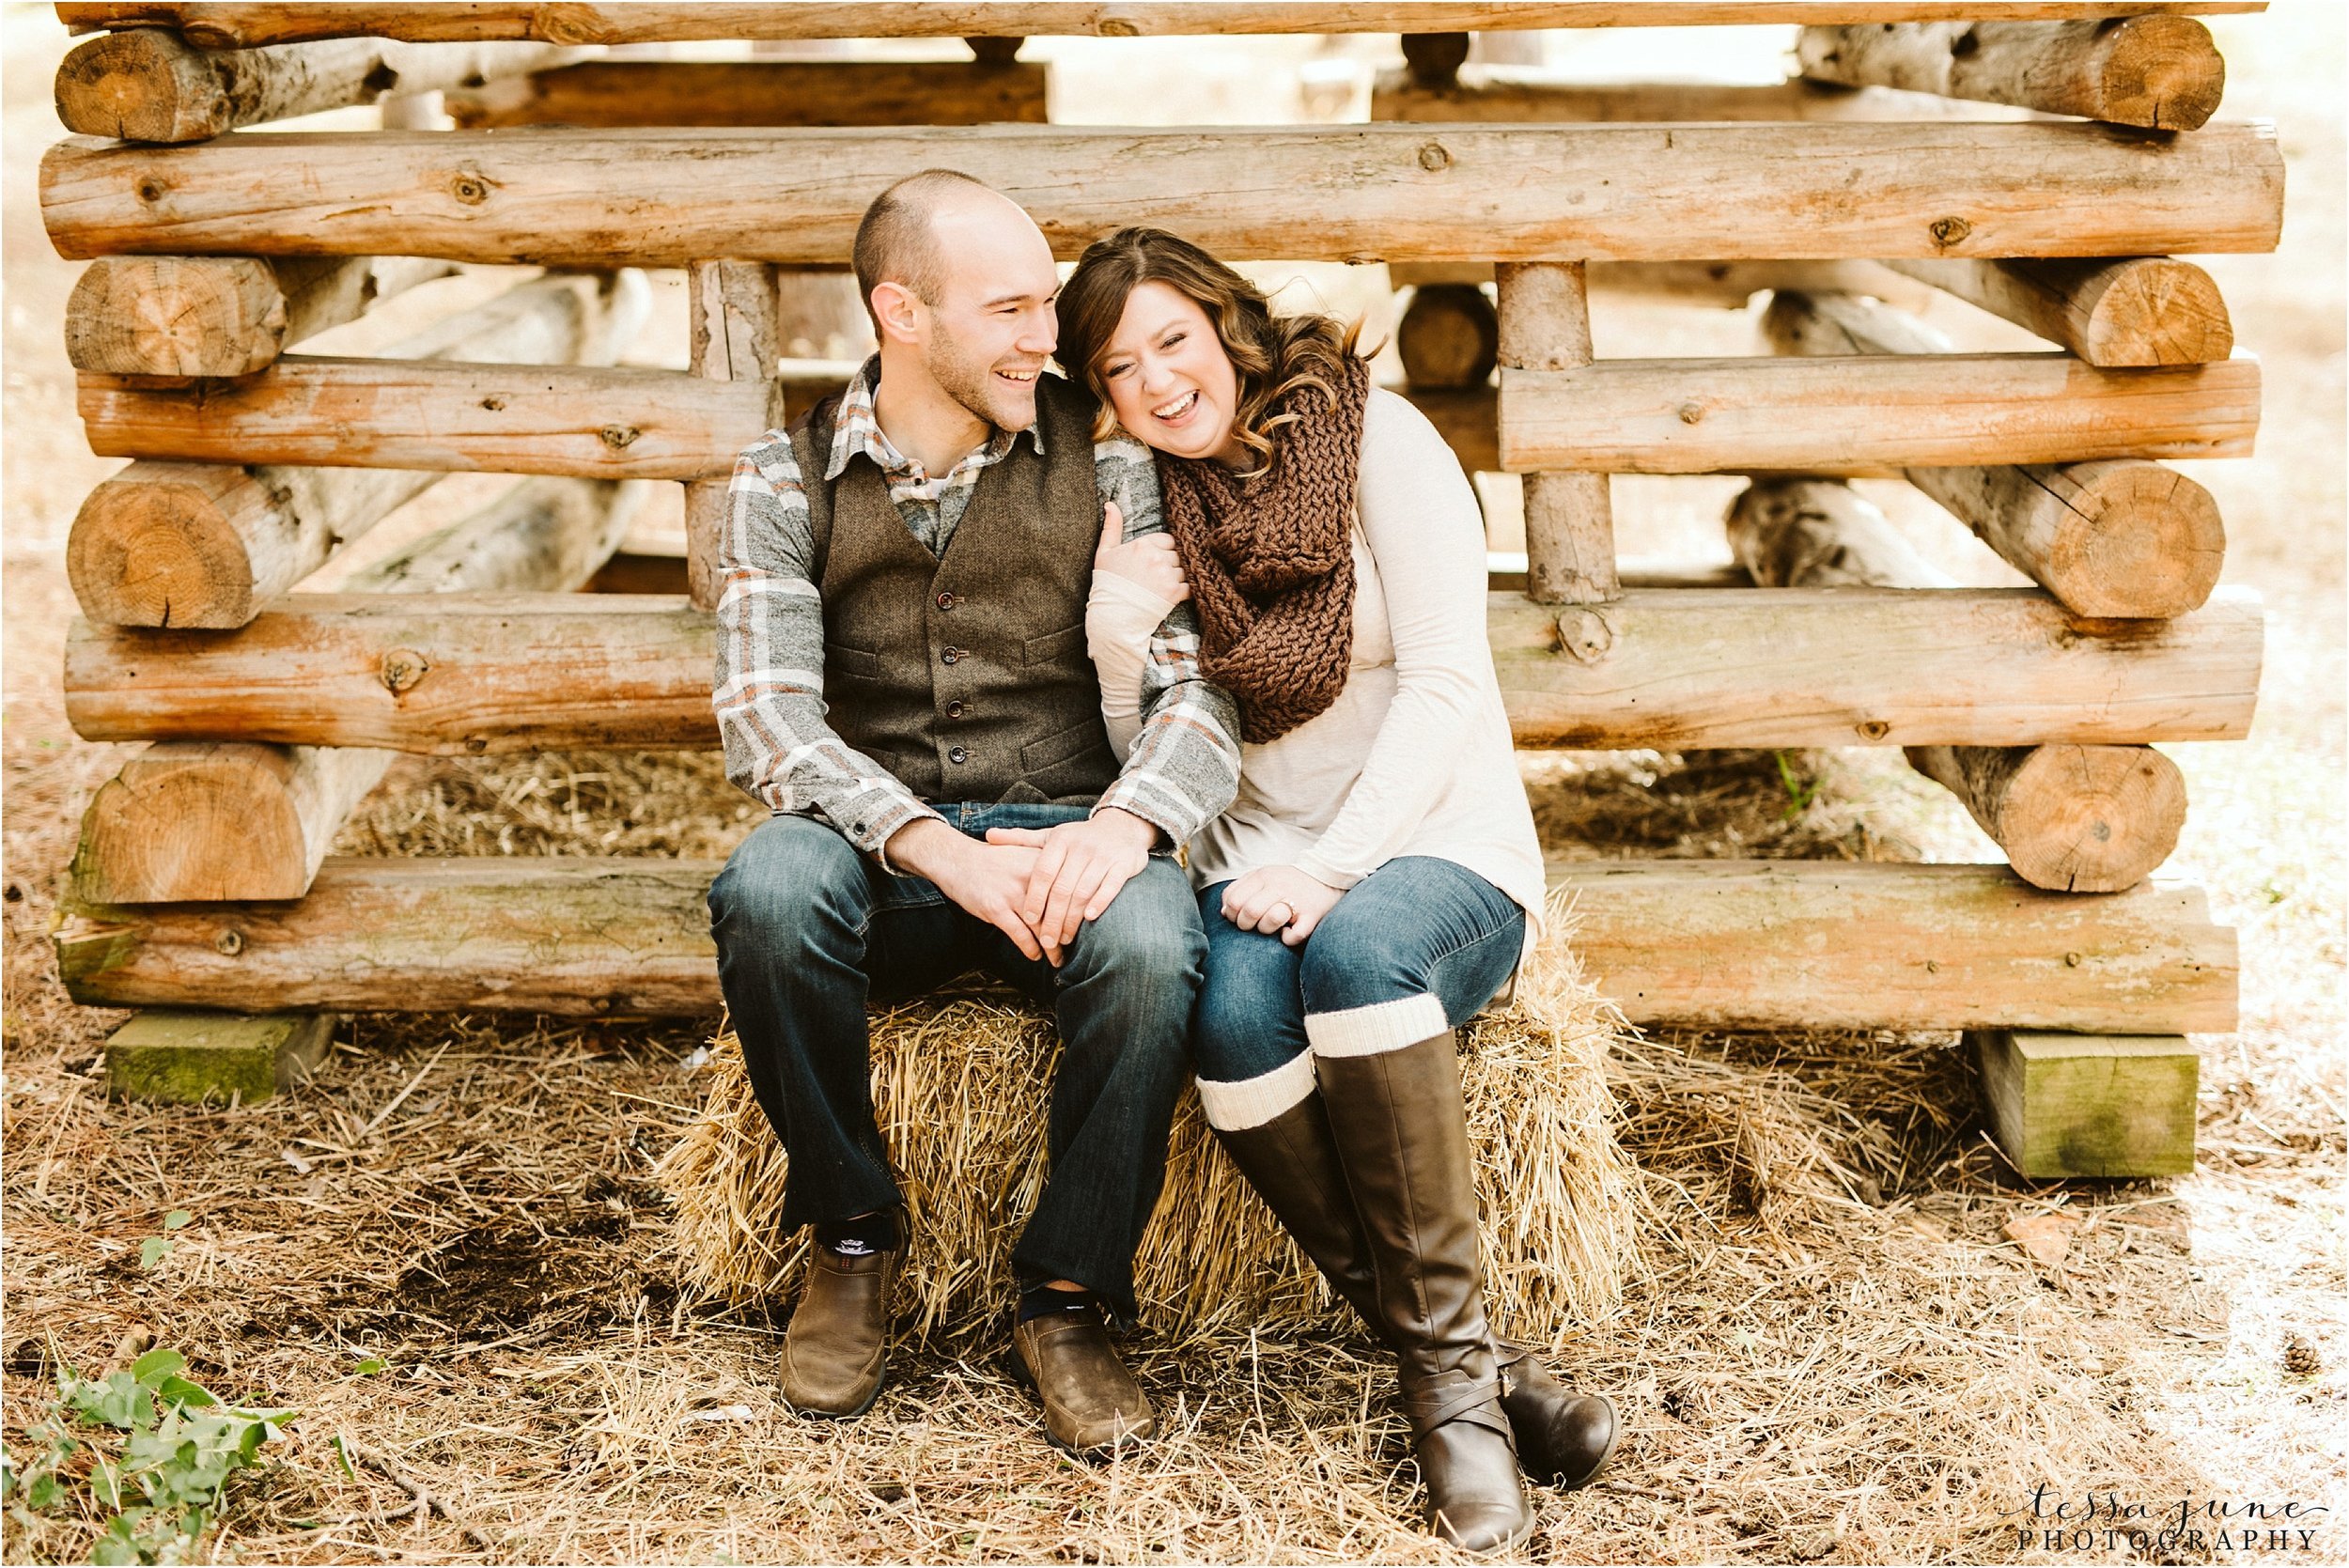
{"x": 837, "y": 1346}
{"x": 1091, "y": 1401}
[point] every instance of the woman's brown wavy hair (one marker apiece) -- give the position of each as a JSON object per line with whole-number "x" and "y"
{"x": 1274, "y": 355}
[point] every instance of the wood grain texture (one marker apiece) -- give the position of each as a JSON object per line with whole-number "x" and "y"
{"x": 2072, "y": 819}
{"x": 734, "y": 309}
{"x": 196, "y": 316}
{"x": 2162, "y": 72}
{"x": 2090, "y": 1105}
{"x": 2119, "y": 538}
{"x": 1350, "y": 193}
{"x": 1865, "y": 414}
{"x": 188, "y": 821}
{"x": 1677, "y": 668}
{"x": 1760, "y": 944}
{"x": 1544, "y": 325}
{"x": 2130, "y": 310}
{"x": 1520, "y": 94}
{"x": 148, "y": 86}
{"x": 205, "y": 543}
{"x": 612, "y": 93}
{"x": 224, "y": 23}
{"x": 620, "y": 423}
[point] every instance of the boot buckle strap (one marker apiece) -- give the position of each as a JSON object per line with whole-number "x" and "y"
{"x": 1478, "y": 1403}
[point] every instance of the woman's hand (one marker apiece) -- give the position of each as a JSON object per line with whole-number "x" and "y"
{"x": 1150, "y": 561}
{"x": 1279, "y": 898}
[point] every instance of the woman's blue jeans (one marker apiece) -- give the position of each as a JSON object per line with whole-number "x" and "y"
{"x": 1418, "y": 927}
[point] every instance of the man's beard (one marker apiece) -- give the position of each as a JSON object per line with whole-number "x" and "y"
{"x": 976, "y": 386}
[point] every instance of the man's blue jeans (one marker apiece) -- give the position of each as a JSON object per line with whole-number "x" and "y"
{"x": 809, "y": 930}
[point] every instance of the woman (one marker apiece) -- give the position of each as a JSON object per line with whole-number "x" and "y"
{"x": 1377, "y": 878}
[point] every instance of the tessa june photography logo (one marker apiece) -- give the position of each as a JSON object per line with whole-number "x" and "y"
{"x": 2101, "y": 1521}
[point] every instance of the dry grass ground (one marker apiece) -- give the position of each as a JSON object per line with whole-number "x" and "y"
{"x": 1827, "y": 1346}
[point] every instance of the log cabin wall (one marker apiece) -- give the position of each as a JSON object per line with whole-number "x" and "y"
{"x": 2042, "y": 161}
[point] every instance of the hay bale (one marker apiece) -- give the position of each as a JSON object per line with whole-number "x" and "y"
{"x": 958, "y": 1093}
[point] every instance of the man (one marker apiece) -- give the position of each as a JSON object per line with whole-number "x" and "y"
{"x": 916, "y": 554}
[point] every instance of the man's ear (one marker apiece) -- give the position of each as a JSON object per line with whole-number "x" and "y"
{"x": 898, "y": 312}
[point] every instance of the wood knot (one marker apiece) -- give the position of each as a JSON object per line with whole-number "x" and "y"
{"x": 1585, "y": 634}
{"x": 1690, "y": 411}
{"x": 1117, "y": 27}
{"x": 1933, "y": 966}
{"x": 402, "y": 669}
{"x": 1948, "y": 232}
{"x": 617, "y": 436}
{"x": 494, "y": 402}
{"x": 229, "y": 942}
{"x": 151, "y": 188}
{"x": 2073, "y": 960}
{"x": 470, "y": 188}
{"x": 1874, "y": 729}
{"x": 1434, "y": 159}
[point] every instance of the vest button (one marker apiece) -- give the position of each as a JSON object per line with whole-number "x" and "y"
{"x": 947, "y": 602}
{"x": 954, "y": 709}
{"x": 949, "y": 656}
{"x": 957, "y": 754}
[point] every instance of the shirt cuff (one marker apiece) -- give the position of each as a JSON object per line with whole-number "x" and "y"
{"x": 1315, "y": 865}
{"x": 873, "y": 834}
{"x": 1126, "y": 797}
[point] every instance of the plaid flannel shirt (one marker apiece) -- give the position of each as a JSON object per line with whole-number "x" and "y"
{"x": 1182, "y": 769}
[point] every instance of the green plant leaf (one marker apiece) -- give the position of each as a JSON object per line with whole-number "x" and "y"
{"x": 154, "y": 1250}
{"x": 176, "y": 1220}
{"x": 155, "y": 1365}
{"x": 372, "y": 1365}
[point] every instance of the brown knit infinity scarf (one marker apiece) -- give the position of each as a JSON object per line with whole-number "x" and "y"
{"x": 1271, "y": 559}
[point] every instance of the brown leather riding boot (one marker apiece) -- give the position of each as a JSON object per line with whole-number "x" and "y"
{"x": 1562, "y": 1436}
{"x": 1397, "y": 1122}
{"x": 836, "y": 1349}
{"x": 1091, "y": 1401}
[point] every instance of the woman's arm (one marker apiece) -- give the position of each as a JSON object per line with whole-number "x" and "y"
{"x": 1420, "y": 519}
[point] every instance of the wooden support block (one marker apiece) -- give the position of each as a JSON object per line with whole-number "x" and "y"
{"x": 2117, "y": 538}
{"x": 243, "y": 23}
{"x": 2162, "y": 72}
{"x": 205, "y": 544}
{"x": 1569, "y": 517}
{"x": 2133, "y": 310}
{"x": 183, "y": 1056}
{"x": 2073, "y": 819}
{"x": 1679, "y": 668}
{"x": 1869, "y": 414}
{"x": 1449, "y": 337}
{"x": 1341, "y": 193}
{"x": 201, "y": 820}
{"x": 220, "y": 315}
{"x": 1751, "y": 945}
{"x": 736, "y": 313}
{"x": 2090, "y": 1105}
{"x": 148, "y": 86}
{"x": 1516, "y": 95}
{"x": 607, "y": 94}
{"x": 1434, "y": 59}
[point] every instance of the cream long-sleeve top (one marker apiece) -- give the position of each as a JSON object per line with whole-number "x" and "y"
{"x": 1415, "y": 756}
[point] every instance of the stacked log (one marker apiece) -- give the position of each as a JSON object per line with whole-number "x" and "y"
{"x": 2121, "y": 537}
{"x": 2071, "y": 817}
{"x": 201, "y": 543}
{"x": 200, "y": 820}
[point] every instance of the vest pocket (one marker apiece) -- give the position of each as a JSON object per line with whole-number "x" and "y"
{"x": 1054, "y": 646}
{"x": 855, "y": 664}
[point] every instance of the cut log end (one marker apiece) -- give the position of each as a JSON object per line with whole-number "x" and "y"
{"x": 193, "y": 822}
{"x": 163, "y": 552}
{"x": 2154, "y": 310}
{"x": 1449, "y": 337}
{"x": 141, "y": 85}
{"x": 2161, "y": 71}
{"x": 2071, "y": 818}
{"x": 175, "y": 316}
{"x": 2130, "y": 540}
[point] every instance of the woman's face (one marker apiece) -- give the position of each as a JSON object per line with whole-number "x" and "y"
{"x": 1168, "y": 379}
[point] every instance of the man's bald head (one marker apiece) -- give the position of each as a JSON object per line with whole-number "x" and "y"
{"x": 898, "y": 239}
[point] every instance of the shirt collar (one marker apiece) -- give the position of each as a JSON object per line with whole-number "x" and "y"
{"x": 855, "y": 428}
